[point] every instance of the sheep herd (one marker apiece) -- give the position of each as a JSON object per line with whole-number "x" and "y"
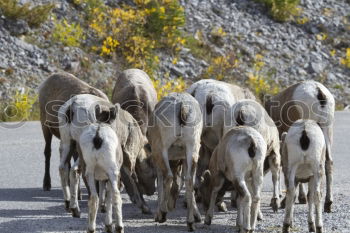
{"x": 212, "y": 138}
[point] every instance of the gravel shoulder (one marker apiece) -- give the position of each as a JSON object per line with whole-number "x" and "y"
{"x": 24, "y": 207}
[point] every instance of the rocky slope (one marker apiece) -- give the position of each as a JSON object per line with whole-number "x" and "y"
{"x": 291, "y": 51}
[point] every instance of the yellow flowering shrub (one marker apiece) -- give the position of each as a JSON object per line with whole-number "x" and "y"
{"x": 346, "y": 60}
{"x": 259, "y": 83}
{"x": 165, "y": 87}
{"x": 21, "y": 107}
{"x": 135, "y": 33}
{"x": 221, "y": 66}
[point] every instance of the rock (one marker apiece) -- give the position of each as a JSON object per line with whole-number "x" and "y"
{"x": 17, "y": 27}
{"x": 316, "y": 67}
{"x": 177, "y": 71}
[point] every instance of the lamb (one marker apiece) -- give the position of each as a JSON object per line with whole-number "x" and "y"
{"x": 251, "y": 113}
{"x": 53, "y": 93}
{"x": 307, "y": 100}
{"x": 102, "y": 153}
{"x": 236, "y": 163}
{"x": 135, "y": 93}
{"x": 303, "y": 155}
{"x": 83, "y": 110}
{"x": 174, "y": 134}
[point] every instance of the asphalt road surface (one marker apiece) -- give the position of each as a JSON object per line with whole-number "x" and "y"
{"x": 25, "y": 207}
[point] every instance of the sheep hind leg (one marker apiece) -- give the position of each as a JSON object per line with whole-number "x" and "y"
{"x": 318, "y": 204}
{"x": 117, "y": 201}
{"x": 302, "y": 194}
{"x": 102, "y": 195}
{"x": 74, "y": 184}
{"x": 93, "y": 200}
{"x": 290, "y": 199}
{"x": 311, "y": 198}
{"x": 275, "y": 170}
{"x": 218, "y": 184}
{"x": 109, "y": 209}
{"x": 47, "y": 153}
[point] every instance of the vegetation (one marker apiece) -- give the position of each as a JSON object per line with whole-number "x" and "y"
{"x": 346, "y": 60}
{"x": 68, "y": 34}
{"x": 22, "y": 107}
{"x": 260, "y": 83}
{"x": 282, "y": 10}
{"x": 221, "y": 67}
{"x": 136, "y": 33}
{"x": 168, "y": 86}
{"x": 34, "y": 16}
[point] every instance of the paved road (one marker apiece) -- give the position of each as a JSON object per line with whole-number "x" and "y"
{"x": 24, "y": 207}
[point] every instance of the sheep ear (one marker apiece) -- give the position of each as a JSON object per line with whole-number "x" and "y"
{"x": 148, "y": 148}
{"x": 205, "y": 179}
{"x": 283, "y": 137}
{"x": 97, "y": 110}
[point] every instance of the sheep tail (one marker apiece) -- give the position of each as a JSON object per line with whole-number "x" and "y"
{"x": 322, "y": 98}
{"x": 304, "y": 141}
{"x": 252, "y": 148}
{"x": 97, "y": 140}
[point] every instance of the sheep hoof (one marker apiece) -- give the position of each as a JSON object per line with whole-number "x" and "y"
{"x": 197, "y": 218}
{"x": 302, "y": 199}
{"x": 328, "y": 206}
{"x": 66, "y": 206}
{"x": 311, "y": 227}
{"x": 109, "y": 228}
{"x": 207, "y": 220}
{"x": 234, "y": 204}
{"x": 75, "y": 212}
{"x": 274, "y": 204}
{"x": 222, "y": 207}
{"x": 161, "y": 217}
{"x": 103, "y": 208}
{"x": 185, "y": 204}
{"x": 90, "y": 231}
{"x": 283, "y": 203}
{"x": 119, "y": 229}
{"x": 260, "y": 216}
{"x": 286, "y": 228}
{"x": 190, "y": 226}
{"x": 318, "y": 229}
{"x": 47, "y": 183}
{"x": 146, "y": 210}
{"x": 80, "y": 197}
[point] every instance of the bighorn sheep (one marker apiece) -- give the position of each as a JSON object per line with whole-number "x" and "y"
{"x": 307, "y": 100}
{"x": 215, "y": 98}
{"x": 251, "y": 113}
{"x": 303, "y": 156}
{"x": 102, "y": 153}
{"x": 236, "y": 163}
{"x": 135, "y": 93}
{"x": 174, "y": 134}
{"x": 53, "y": 93}
{"x": 82, "y": 110}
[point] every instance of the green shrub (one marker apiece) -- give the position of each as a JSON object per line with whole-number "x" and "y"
{"x": 68, "y": 34}
{"x": 282, "y": 10}
{"x": 34, "y": 16}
